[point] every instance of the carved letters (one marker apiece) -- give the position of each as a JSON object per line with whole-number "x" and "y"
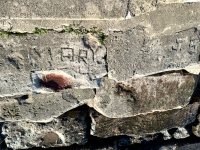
{"x": 74, "y": 55}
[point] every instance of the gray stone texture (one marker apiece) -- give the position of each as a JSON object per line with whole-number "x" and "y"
{"x": 181, "y": 133}
{"x": 66, "y": 130}
{"x": 135, "y": 81}
{"x": 42, "y": 107}
{"x": 143, "y": 95}
{"x": 22, "y": 57}
{"x": 148, "y": 56}
{"x": 71, "y": 9}
{"x": 143, "y": 124}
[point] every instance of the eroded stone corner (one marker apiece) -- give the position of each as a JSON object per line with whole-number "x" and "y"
{"x": 66, "y": 130}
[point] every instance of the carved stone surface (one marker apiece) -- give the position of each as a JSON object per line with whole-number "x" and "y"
{"x": 143, "y": 95}
{"x": 148, "y": 56}
{"x": 43, "y": 107}
{"x": 22, "y": 57}
{"x": 142, "y": 124}
{"x": 137, "y": 66}
{"x": 64, "y": 131}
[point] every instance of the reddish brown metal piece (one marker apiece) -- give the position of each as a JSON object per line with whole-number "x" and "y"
{"x": 55, "y": 81}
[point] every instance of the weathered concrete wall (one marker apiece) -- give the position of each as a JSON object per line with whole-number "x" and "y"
{"x": 135, "y": 63}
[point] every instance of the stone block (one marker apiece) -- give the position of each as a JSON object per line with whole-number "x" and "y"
{"x": 143, "y": 95}
{"x": 64, "y": 131}
{"x": 42, "y": 107}
{"x": 149, "y": 56}
{"x": 143, "y": 124}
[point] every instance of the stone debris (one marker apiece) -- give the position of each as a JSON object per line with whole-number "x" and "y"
{"x": 63, "y": 131}
{"x": 181, "y": 133}
{"x": 166, "y": 135}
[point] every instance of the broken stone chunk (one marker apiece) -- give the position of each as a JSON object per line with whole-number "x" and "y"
{"x": 181, "y": 133}
{"x": 149, "y": 56}
{"x": 143, "y": 95}
{"x": 143, "y": 124}
{"x": 42, "y": 107}
{"x": 166, "y": 135}
{"x": 49, "y": 139}
{"x": 68, "y": 129}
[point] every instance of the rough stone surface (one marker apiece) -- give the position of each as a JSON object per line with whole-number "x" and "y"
{"x": 137, "y": 7}
{"x": 63, "y": 9}
{"x": 64, "y": 131}
{"x": 22, "y": 58}
{"x": 143, "y": 95}
{"x": 195, "y": 146}
{"x": 166, "y": 135}
{"x": 142, "y": 124}
{"x": 146, "y": 138}
{"x": 43, "y": 107}
{"x": 137, "y": 66}
{"x": 148, "y": 56}
{"x": 181, "y": 133}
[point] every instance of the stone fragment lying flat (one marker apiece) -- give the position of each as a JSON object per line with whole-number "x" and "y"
{"x": 131, "y": 52}
{"x": 21, "y": 58}
{"x": 70, "y": 9}
{"x": 64, "y": 131}
{"x": 143, "y": 124}
{"x": 143, "y": 95}
{"x": 42, "y": 107}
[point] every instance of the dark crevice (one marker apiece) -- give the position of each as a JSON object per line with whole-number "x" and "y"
{"x": 128, "y": 8}
{"x": 22, "y": 99}
{"x": 105, "y": 58}
{"x": 196, "y": 94}
{"x": 181, "y": 72}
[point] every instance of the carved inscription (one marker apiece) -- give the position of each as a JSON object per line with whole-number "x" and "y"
{"x": 82, "y": 55}
{"x": 150, "y": 55}
{"x": 67, "y": 53}
{"x": 70, "y": 54}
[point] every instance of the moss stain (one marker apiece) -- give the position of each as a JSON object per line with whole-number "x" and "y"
{"x": 68, "y": 29}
